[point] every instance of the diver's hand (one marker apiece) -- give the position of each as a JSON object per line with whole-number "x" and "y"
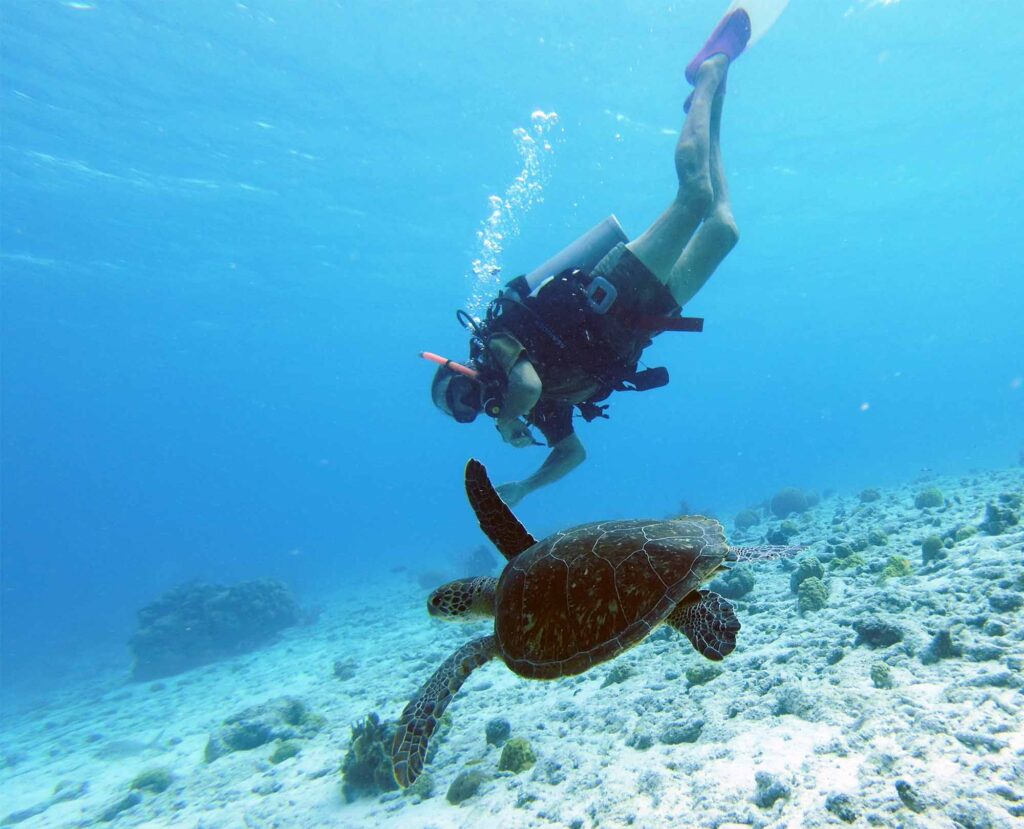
{"x": 515, "y": 432}
{"x": 513, "y": 492}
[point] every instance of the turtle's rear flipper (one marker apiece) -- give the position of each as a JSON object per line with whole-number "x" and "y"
{"x": 764, "y": 552}
{"x": 708, "y": 621}
{"x": 423, "y": 713}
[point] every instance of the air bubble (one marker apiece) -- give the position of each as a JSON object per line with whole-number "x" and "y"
{"x": 526, "y": 190}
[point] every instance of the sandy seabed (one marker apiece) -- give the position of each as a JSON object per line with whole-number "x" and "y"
{"x": 807, "y": 724}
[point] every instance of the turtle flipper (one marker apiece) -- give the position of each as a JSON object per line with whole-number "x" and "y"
{"x": 708, "y": 621}
{"x": 496, "y": 519}
{"x": 764, "y": 552}
{"x": 420, "y": 718}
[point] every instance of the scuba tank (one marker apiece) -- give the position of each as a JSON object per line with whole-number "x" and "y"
{"x": 583, "y": 254}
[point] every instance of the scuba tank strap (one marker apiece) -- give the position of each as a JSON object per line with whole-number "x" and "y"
{"x": 519, "y": 286}
{"x": 589, "y": 410}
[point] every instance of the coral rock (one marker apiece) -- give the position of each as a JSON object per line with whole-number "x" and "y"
{"x": 929, "y": 498}
{"x": 196, "y": 624}
{"x": 366, "y": 769}
{"x": 787, "y": 501}
{"x": 812, "y": 595}
{"x": 877, "y": 633}
{"x": 517, "y": 756}
{"x": 465, "y": 785}
{"x": 932, "y": 549}
{"x": 809, "y": 567}
{"x": 746, "y": 518}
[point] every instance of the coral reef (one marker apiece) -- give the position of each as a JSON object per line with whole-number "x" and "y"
{"x": 963, "y": 532}
{"x": 932, "y": 549}
{"x": 812, "y": 595}
{"x": 769, "y": 789}
{"x": 687, "y": 731}
{"x": 620, "y": 672}
{"x": 466, "y": 784}
{"x": 344, "y": 669}
{"x": 702, "y": 672}
{"x": 895, "y": 567}
{"x": 517, "y": 756}
{"x": 153, "y": 780}
{"x": 734, "y": 584}
{"x": 285, "y": 750}
{"x": 283, "y": 718}
{"x": 195, "y": 624}
{"x": 788, "y": 500}
{"x": 1000, "y": 517}
{"x": 807, "y": 568}
{"x": 910, "y": 797}
{"x": 783, "y": 533}
{"x": 122, "y": 804}
{"x": 881, "y": 676}
{"x": 850, "y": 562}
{"x": 841, "y": 805}
{"x": 929, "y": 498}
{"x": 746, "y": 518}
{"x": 877, "y": 633}
{"x": 366, "y": 769}
{"x": 942, "y": 646}
{"x": 497, "y": 731}
{"x": 867, "y": 496}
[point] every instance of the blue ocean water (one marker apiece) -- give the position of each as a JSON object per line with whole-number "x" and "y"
{"x": 228, "y": 228}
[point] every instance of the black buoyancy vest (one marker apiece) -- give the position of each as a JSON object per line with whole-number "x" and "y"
{"x": 563, "y": 333}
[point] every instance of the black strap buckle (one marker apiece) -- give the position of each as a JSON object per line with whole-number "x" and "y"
{"x": 592, "y": 411}
{"x": 650, "y": 378}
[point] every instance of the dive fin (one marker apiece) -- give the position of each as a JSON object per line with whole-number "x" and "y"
{"x": 729, "y": 38}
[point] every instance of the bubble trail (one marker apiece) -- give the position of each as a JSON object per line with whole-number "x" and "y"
{"x": 536, "y": 149}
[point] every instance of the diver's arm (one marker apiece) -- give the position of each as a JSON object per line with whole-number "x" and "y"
{"x": 522, "y": 394}
{"x": 564, "y": 457}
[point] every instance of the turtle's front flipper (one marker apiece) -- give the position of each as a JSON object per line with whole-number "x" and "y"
{"x": 708, "y": 621}
{"x": 422, "y": 714}
{"x": 765, "y": 552}
{"x": 496, "y": 519}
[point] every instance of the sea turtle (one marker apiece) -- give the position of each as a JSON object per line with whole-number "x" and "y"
{"x": 573, "y": 600}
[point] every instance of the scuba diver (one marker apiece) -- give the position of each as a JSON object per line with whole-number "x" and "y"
{"x": 572, "y": 332}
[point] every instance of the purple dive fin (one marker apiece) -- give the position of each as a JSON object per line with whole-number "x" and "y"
{"x": 729, "y": 38}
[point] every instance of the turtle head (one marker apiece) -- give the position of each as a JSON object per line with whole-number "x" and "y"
{"x": 463, "y": 599}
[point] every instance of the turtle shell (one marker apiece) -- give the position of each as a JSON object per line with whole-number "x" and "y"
{"x": 584, "y": 595}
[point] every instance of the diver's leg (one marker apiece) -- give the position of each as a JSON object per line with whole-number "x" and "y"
{"x": 660, "y": 246}
{"x": 718, "y": 235}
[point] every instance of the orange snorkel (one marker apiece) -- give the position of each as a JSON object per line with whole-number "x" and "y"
{"x": 466, "y": 371}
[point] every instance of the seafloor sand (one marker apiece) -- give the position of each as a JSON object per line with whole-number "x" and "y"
{"x": 797, "y": 700}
